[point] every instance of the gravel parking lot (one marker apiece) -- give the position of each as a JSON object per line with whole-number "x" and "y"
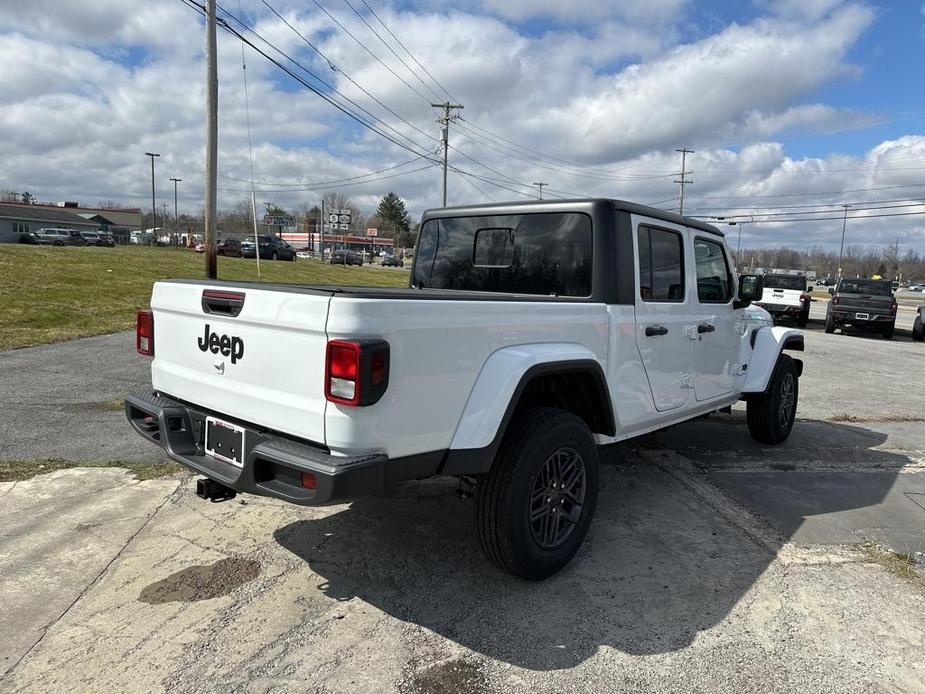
{"x": 713, "y": 565}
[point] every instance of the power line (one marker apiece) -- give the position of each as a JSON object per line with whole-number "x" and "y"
{"x": 392, "y": 50}
{"x": 365, "y": 48}
{"x": 806, "y": 194}
{"x": 329, "y": 186}
{"x": 827, "y": 219}
{"x": 799, "y": 212}
{"x": 336, "y": 180}
{"x": 334, "y": 68}
{"x": 804, "y": 206}
{"x": 410, "y": 54}
{"x": 325, "y": 96}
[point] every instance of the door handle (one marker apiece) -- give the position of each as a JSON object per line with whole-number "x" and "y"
{"x": 655, "y": 330}
{"x": 705, "y": 328}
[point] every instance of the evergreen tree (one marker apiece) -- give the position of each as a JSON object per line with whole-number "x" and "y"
{"x": 394, "y": 216}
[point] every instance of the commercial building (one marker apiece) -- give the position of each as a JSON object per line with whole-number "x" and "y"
{"x": 16, "y": 219}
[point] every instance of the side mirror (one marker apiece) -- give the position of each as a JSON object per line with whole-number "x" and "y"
{"x": 750, "y": 289}
{"x": 831, "y": 290}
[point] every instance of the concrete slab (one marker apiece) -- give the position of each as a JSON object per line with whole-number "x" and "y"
{"x": 59, "y": 533}
{"x": 391, "y": 594}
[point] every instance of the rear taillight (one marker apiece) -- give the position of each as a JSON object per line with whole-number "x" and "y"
{"x": 356, "y": 371}
{"x": 804, "y": 297}
{"x": 893, "y": 307}
{"x": 144, "y": 333}
{"x": 835, "y": 300}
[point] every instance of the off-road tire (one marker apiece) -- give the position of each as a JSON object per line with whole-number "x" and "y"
{"x": 889, "y": 331}
{"x": 771, "y": 414}
{"x": 918, "y": 329}
{"x": 274, "y": 256}
{"x": 803, "y": 319}
{"x": 829, "y": 324}
{"x": 506, "y": 496}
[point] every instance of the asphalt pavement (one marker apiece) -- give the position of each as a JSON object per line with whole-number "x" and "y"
{"x": 714, "y": 564}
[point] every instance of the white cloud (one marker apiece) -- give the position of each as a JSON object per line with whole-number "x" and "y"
{"x": 88, "y": 90}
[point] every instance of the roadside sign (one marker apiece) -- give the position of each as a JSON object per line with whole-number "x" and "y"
{"x": 372, "y": 232}
{"x": 279, "y": 220}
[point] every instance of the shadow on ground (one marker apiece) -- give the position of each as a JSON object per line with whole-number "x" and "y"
{"x": 659, "y": 565}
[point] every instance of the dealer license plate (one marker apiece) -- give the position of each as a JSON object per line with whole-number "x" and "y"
{"x": 862, "y": 316}
{"x": 225, "y": 441}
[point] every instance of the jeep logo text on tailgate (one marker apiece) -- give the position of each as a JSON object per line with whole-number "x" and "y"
{"x": 228, "y": 346}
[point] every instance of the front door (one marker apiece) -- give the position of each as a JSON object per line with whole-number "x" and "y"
{"x": 663, "y": 314}
{"x": 716, "y": 347}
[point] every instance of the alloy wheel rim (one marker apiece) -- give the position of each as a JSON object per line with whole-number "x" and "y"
{"x": 787, "y": 400}
{"x": 557, "y": 498}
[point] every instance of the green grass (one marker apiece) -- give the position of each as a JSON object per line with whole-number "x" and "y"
{"x": 18, "y": 470}
{"x": 49, "y": 294}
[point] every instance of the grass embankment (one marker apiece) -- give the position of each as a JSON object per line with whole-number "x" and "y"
{"x": 19, "y": 470}
{"x": 49, "y": 294}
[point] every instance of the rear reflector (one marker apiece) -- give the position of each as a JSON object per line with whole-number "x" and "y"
{"x": 309, "y": 481}
{"x": 356, "y": 371}
{"x": 144, "y": 332}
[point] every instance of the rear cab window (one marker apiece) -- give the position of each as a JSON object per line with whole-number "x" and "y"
{"x": 547, "y": 254}
{"x": 797, "y": 282}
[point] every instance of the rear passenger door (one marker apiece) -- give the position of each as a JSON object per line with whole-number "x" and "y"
{"x": 716, "y": 348}
{"x": 663, "y": 313}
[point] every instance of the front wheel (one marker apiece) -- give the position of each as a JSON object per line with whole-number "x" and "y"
{"x": 771, "y": 414}
{"x": 829, "y": 324}
{"x": 918, "y": 329}
{"x": 535, "y": 505}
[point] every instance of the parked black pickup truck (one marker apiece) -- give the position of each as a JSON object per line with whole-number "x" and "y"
{"x": 862, "y": 303}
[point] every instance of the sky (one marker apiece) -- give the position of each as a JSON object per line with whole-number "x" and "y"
{"x": 792, "y": 108}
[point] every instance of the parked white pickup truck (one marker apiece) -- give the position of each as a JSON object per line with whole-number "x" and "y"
{"x": 786, "y": 296}
{"x": 531, "y": 333}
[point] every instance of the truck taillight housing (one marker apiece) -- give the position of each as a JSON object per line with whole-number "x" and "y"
{"x": 804, "y": 297}
{"x": 835, "y": 301}
{"x": 144, "y": 332}
{"x": 356, "y": 372}
{"x": 893, "y": 307}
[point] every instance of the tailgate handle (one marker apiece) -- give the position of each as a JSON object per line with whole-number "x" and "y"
{"x": 222, "y": 303}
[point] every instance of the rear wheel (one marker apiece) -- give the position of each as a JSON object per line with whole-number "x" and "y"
{"x": 535, "y": 506}
{"x": 829, "y": 324}
{"x": 771, "y": 414}
{"x": 918, "y": 329}
{"x": 274, "y": 256}
{"x": 803, "y": 319}
{"x": 888, "y": 331}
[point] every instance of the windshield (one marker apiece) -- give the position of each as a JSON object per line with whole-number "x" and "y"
{"x": 873, "y": 287}
{"x": 546, "y": 254}
{"x": 797, "y": 282}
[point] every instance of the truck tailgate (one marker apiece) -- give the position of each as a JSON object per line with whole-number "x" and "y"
{"x": 264, "y": 365}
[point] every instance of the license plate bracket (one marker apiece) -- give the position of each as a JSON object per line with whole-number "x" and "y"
{"x": 862, "y": 316}
{"x": 225, "y": 441}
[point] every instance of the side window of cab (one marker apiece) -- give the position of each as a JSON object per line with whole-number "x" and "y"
{"x": 714, "y": 279}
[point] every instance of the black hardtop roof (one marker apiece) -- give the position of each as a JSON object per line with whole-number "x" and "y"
{"x": 571, "y": 205}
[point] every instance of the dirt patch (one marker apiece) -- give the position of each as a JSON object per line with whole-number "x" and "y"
{"x": 899, "y": 564}
{"x": 202, "y": 582}
{"x": 18, "y": 470}
{"x": 844, "y": 417}
{"x": 451, "y": 677}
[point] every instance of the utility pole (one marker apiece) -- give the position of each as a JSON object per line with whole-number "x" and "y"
{"x": 684, "y": 172}
{"x": 176, "y": 217}
{"x": 153, "y": 200}
{"x": 444, "y": 120}
{"x": 841, "y": 249}
{"x": 211, "y": 140}
{"x": 540, "y": 184}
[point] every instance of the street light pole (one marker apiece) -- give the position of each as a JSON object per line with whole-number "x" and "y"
{"x": 153, "y": 199}
{"x": 176, "y": 217}
{"x": 211, "y": 140}
{"x": 841, "y": 249}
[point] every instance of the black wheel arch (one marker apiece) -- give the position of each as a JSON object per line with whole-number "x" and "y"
{"x": 578, "y": 386}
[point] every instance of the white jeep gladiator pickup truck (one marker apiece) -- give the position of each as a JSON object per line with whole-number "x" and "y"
{"x": 530, "y": 334}
{"x": 786, "y": 296}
